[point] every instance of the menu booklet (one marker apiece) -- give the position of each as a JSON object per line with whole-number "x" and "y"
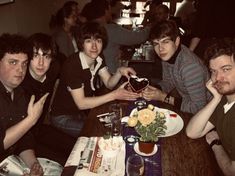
{"x": 87, "y": 157}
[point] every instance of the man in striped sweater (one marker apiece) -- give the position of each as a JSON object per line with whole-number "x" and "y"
{"x": 182, "y": 71}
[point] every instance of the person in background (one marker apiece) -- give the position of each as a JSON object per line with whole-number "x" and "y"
{"x": 186, "y": 16}
{"x": 162, "y": 12}
{"x": 17, "y": 113}
{"x": 64, "y": 25}
{"x": 182, "y": 71}
{"x": 116, "y": 8}
{"x": 117, "y": 35}
{"x": 80, "y": 78}
{"x": 75, "y": 7}
{"x": 157, "y": 12}
{"x": 149, "y": 2}
{"x": 40, "y": 78}
{"x": 186, "y": 13}
{"x": 219, "y": 112}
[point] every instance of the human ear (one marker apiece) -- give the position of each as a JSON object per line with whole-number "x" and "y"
{"x": 177, "y": 41}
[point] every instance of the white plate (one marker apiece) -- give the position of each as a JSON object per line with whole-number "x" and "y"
{"x": 136, "y": 148}
{"x": 174, "y": 124}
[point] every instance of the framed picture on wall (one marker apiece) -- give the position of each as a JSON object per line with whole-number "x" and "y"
{"x": 3, "y": 2}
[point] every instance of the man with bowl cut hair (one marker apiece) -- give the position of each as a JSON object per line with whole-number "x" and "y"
{"x": 40, "y": 78}
{"x": 182, "y": 71}
{"x": 81, "y": 76}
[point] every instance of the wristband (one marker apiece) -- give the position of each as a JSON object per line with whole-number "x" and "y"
{"x": 215, "y": 142}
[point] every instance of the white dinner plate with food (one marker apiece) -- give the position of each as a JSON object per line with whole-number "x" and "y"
{"x": 174, "y": 122}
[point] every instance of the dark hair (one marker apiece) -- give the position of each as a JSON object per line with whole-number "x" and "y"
{"x": 71, "y": 3}
{"x": 219, "y": 47}
{"x": 166, "y": 28}
{"x": 153, "y": 2}
{"x": 92, "y": 29}
{"x": 13, "y": 44}
{"x": 44, "y": 42}
{"x": 95, "y": 9}
{"x": 164, "y": 8}
{"x": 157, "y": 2}
{"x": 58, "y": 19}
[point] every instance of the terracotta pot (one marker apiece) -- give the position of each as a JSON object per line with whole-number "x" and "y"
{"x": 146, "y": 147}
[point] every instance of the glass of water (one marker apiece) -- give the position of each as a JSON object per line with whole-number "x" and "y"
{"x": 135, "y": 165}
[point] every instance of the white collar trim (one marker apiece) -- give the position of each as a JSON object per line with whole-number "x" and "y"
{"x": 84, "y": 63}
{"x": 227, "y": 106}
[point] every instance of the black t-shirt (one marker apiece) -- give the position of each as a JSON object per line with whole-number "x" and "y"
{"x": 12, "y": 112}
{"x": 75, "y": 74}
{"x": 37, "y": 88}
{"x": 224, "y": 123}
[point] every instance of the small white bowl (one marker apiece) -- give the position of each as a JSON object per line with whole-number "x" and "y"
{"x": 110, "y": 147}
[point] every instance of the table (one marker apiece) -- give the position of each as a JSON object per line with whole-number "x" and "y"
{"x": 180, "y": 155}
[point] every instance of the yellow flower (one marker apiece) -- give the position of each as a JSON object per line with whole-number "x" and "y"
{"x": 132, "y": 121}
{"x": 148, "y": 123}
{"x": 146, "y": 116}
{"x": 161, "y": 114}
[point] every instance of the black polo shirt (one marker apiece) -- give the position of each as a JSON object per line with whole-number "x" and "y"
{"x": 37, "y": 88}
{"x": 76, "y": 74}
{"x": 12, "y": 112}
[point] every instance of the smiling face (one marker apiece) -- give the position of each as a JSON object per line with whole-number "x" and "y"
{"x": 40, "y": 63}
{"x": 223, "y": 73}
{"x": 12, "y": 69}
{"x": 92, "y": 47}
{"x": 166, "y": 47}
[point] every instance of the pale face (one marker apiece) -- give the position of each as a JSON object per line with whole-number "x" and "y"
{"x": 222, "y": 74}
{"x": 40, "y": 63}
{"x": 92, "y": 47}
{"x": 12, "y": 69}
{"x": 165, "y": 47}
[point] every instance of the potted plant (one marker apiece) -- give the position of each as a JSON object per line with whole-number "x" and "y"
{"x": 149, "y": 124}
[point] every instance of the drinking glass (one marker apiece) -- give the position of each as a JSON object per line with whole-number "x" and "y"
{"x": 116, "y": 126}
{"x": 116, "y": 108}
{"x": 116, "y": 115}
{"x": 135, "y": 165}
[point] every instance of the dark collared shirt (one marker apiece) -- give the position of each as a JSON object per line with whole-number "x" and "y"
{"x": 12, "y": 112}
{"x": 75, "y": 74}
{"x": 224, "y": 123}
{"x": 37, "y": 88}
